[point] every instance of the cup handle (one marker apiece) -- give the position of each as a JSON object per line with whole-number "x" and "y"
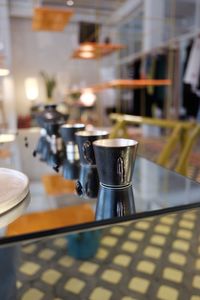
{"x": 86, "y": 146}
{"x": 79, "y": 188}
{"x": 120, "y": 168}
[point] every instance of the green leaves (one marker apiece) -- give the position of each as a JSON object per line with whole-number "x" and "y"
{"x": 50, "y": 83}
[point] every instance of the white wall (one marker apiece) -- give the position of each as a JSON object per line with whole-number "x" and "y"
{"x": 9, "y": 102}
{"x": 33, "y": 52}
{"x": 7, "y": 94}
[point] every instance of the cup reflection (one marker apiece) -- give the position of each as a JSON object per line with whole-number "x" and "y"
{"x": 115, "y": 202}
{"x": 88, "y": 183}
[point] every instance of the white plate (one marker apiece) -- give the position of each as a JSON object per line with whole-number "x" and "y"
{"x": 14, "y": 213}
{"x": 14, "y": 187}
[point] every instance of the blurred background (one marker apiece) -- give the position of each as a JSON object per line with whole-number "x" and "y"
{"x": 93, "y": 58}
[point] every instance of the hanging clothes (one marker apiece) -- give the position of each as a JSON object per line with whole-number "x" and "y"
{"x": 191, "y": 99}
{"x": 192, "y": 71}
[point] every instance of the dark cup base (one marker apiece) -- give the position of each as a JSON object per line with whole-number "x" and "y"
{"x": 115, "y": 202}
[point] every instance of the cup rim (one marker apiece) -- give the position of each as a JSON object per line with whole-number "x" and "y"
{"x": 115, "y": 143}
{"x": 88, "y": 133}
{"x": 76, "y": 125}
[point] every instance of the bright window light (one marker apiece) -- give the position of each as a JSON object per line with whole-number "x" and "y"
{"x": 31, "y": 88}
{"x": 4, "y": 72}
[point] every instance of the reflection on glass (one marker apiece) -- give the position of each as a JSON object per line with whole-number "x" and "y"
{"x": 114, "y": 202}
{"x": 88, "y": 183}
{"x": 71, "y": 169}
{"x": 152, "y": 190}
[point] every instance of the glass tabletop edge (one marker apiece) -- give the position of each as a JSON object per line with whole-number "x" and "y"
{"x": 96, "y": 225}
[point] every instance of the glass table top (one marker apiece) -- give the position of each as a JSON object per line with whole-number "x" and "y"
{"x": 55, "y": 208}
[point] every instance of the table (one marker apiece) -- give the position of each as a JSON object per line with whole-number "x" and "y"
{"x": 156, "y": 191}
{"x": 135, "y": 255}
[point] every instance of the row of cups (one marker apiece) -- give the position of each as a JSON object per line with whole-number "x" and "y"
{"x": 113, "y": 158}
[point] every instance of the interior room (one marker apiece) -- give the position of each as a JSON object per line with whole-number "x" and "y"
{"x": 99, "y": 149}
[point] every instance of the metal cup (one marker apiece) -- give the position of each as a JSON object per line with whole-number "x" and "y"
{"x": 68, "y": 131}
{"x": 84, "y": 140}
{"x": 115, "y": 161}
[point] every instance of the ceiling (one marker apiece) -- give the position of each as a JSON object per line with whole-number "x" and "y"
{"x": 181, "y": 8}
{"x": 183, "y": 11}
{"x": 98, "y": 5}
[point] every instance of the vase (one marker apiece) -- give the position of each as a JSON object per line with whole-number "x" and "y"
{"x": 83, "y": 245}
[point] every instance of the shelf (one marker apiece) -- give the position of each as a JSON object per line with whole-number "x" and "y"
{"x": 128, "y": 84}
{"x": 50, "y": 19}
{"x": 95, "y": 50}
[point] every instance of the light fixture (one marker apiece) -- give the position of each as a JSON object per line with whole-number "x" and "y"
{"x": 47, "y": 18}
{"x": 127, "y": 84}
{"x": 4, "y": 71}
{"x": 91, "y": 50}
{"x": 31, "y": 88}
{"x": 86, "y": 54}
{"x": 86, "y": 47}
{"x": 70, "y": 2}
{"x": 88, "y": 98}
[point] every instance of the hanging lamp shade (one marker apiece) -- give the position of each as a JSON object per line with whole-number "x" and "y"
{"x": 90, "y": 50}
{"x": 127, "y": 84}
{"x": 50, "y": 19}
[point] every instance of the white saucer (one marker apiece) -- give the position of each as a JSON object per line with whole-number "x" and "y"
{"x": 14, "y": 187}
{"x": 14, "y": 213}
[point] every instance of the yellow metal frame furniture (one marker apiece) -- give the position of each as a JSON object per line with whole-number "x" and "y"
{"x": 180, "y": 132}
{"x": 181, "y": 166}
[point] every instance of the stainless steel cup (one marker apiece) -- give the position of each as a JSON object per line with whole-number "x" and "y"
{"x": 84, "y": 140}
{"x": 115, "y": 161}
{"x": 71, "y": 164}
{"x": 68, "y": 131}
{"x": 88, "y": 183}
